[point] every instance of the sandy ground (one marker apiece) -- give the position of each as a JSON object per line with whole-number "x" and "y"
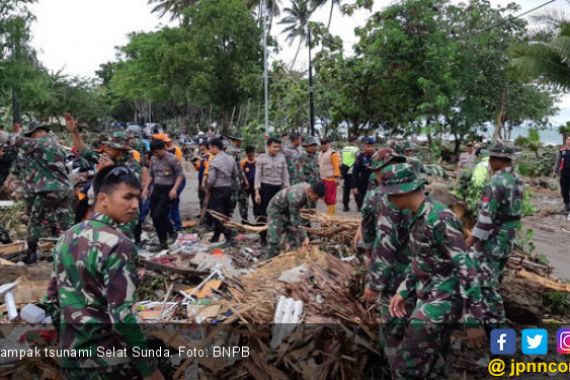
{"x": 551, "y": 232}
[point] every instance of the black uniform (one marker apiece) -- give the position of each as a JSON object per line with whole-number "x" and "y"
{"x": 563, "y": 168}
{"x": 361, "y": 176}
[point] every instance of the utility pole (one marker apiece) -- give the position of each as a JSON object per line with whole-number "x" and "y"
{"x": 311, "y": 100}
{"x": 265, "y": 71}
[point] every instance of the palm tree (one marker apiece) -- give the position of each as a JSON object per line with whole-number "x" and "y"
{"x": 273, "y": 8}
{"x": 297, "y": 21}
{"x": 319, "y": 3}
{"x": 174, "y": 7}
{"x": 547, "y": 57}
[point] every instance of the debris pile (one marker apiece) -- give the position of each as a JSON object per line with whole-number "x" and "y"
{"x": 334, "y": 339}
{"x": 332, "y": 229}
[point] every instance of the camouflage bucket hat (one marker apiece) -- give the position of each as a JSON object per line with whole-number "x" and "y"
{"x": 32, "y": 127}
{"x": 236, "y": 136}
{"x": 118, "y": 140}
{"x": 310, "y": 141}
{"x": 501, "y": 151}
{"x": 400, "y": 179}
{"x": 384, "y": 157}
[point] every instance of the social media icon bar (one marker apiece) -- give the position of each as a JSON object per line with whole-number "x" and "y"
{"x": 535, "y": 342}
{"x": 563, "y": 340}
{"x": 504, "y": 341}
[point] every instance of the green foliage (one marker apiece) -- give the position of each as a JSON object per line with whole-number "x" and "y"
{"x": 524, "y": 241}
{"x": 213, "y": 61}
{"x": 557, "y": 302}
{"x": 430, "y": 65}
{"x": 545, "y": 57}
{"x": 564, "y": 130}
{"x": 527, "y": 207}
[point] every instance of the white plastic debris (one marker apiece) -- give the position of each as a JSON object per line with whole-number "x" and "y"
{"x": 288, "y": 315}
{"x": 6, "y": 290}
{"x": 294, "y": 274}
{"x": 32, "y": 314}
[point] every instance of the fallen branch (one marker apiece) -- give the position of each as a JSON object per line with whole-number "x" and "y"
{"x": 226, "y": 221}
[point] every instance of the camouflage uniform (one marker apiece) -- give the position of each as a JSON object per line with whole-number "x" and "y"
{"x": 240, "y": 196}
{"x": 385, "y": 231}
{"x": 6, "y": 161}
{"x": 413, "y": 160}
{"x": 309, "y": 168}
{"x": 500, "y": 211}
{"x": 90, "y": 298}
{"x": 4, "y": 236}
{"x": 283, "y": 215}
{"x": 389, "y": 262}
{"x": 292, "y": 156}
{"x": 308, "y": 164}
{"x": 442, "y": 277}
{"x": 120, "y": 141}
{"x": 47, "y": 186}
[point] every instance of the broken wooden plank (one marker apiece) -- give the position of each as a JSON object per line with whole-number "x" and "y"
{"x": 187, "y": 272}
{"x": 543, "y": 281}
{"x": 12, "y": 248}
{"x": 4, "y": 262}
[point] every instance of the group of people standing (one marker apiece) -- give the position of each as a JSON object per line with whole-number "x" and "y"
{"x": 228, "y": 180}
{"x": 423, "y": 274}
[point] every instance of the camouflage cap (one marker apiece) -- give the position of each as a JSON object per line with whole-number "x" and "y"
{"x": 501, "y": 150}
{"x": 400, "y": 179}
{"x": 308, "y": 141}
{"x": 32, "y": 127}
{"x": 118, "y": 140}
{"x": 385, "y": 156}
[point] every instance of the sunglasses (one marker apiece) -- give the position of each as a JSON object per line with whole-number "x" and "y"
{"x": 119, "y": 171}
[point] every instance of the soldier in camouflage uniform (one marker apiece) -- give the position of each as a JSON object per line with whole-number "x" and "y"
{"x": 48, "y": 191}
{"x": 308, "y": 162}
{"x": 372, "y": 201}
{"x": 284, "y": 218}
{"x": 500, "y": 212}
{"x": 410, "y": 150}
{"x": 93, "y": 284}
{"x": 7, "y": 157}
{"x": 308, "y": 165}
{"x": 385, "y": 231}
{"x": 240, "y": 196}
{"x": 292, "y": 154}
{"x": 116, "y": 152}
{"x": 442, "y": 277}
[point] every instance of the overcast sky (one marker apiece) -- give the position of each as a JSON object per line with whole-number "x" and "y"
{"x": 76, "y": 36}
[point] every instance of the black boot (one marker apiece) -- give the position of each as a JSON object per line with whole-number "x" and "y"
{"x": 158, "y": 248}
{"x": 567, "y": 207}
{"x": 215, "y": 238}
{"x": 31, "y": 257}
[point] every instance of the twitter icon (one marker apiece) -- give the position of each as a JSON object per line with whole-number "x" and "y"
{"x": 534, "y": 342}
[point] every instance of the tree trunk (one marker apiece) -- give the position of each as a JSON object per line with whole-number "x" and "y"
{"x": 296, "y": 54}
{"x": 501, "y": 118}
{"x": 331, "y": 14}
{"x": 457, "y": 144}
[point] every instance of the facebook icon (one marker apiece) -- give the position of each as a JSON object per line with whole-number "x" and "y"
{"x": 503, "y": 342}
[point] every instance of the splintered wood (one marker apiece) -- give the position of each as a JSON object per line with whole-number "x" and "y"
{"x": 335, "y": 339}
{"x": 228, "y": 223}
{"x": 325, "y": 289}
{"x": 332, "y": 228}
